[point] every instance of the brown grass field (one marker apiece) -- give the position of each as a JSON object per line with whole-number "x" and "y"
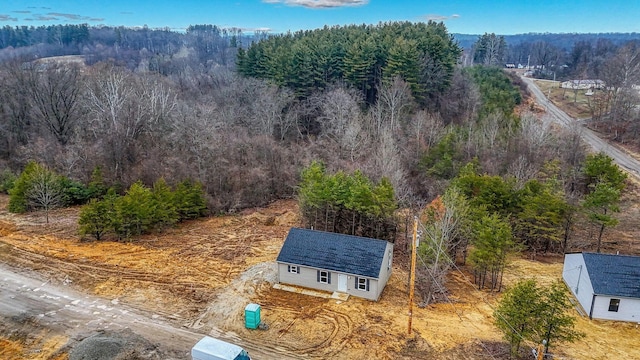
{"x": 576, "y": 104}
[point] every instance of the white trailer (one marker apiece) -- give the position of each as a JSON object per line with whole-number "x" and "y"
{"x": 209, "y": 348}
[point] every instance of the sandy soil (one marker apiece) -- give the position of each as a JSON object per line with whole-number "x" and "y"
{"x": 200, "y": 276}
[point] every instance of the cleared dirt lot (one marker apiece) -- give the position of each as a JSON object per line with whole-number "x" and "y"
{"x": 200, "y": 276}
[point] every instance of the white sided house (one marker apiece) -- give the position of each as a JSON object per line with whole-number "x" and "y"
{"x": 355, "y": 265}
{"x": 582, "y": 84}
{"x": 607, "y": 286}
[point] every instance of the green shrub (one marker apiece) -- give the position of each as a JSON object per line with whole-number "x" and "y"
{"x": 95, "y": 219}
{"x": 75, "y": 193}
{"x": 142, "y": 210}
{"x": 7, "y": 179}
{"x": 18, "y": 202}
{"x": 189, "y": 200}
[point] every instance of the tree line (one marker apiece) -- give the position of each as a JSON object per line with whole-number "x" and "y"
{"x": 422, "y": 54}
{"x": 22, "y": 36}
{"x": 138, "y": 211}
{"x": 485, "y": 219}
{"x": 141, "y": 209}
{"x": 566, "y": 55}
{"x": 348, "y": 204}
{"x": 160, "y": 50}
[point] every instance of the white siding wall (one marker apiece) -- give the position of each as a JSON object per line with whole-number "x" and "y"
{"x": 385, "y": 269}
{"x": 629, "y": 309}
{"x": 308, "y": 277}
{"x": 372, "y": 294}
{"x": 575, "y": 275}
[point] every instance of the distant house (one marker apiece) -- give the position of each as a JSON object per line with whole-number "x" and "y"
{"x": 606, "y": 286}
{"x": 327, "y": 261}
{"x": 582, "y": 84}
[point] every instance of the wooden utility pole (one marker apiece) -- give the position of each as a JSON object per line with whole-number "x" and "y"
{"x": 412, "y": 278}
{"x": 540, "y": 352}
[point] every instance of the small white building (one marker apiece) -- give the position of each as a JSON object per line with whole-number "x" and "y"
{"x": 606, "y": 286}
{"x": 332, "y": 262}
{"x": 582, "y": 84}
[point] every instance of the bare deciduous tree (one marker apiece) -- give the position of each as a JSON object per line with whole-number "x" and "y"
{"x": 444, "y": 226}
{"x": 544, "y": 54}
{"x": 396, "y": 100}
{"x": 522, "y": 171}
{"x": 490, "y": 129}
{"x": 427, "y": 129}
{"x": 15, "y": 114}
{"x": 387, "y": 162}
{"x": 45, "y": 192}
{"x": 269, "y": 110}
{"x": 122, "y": 108}
{"x": 537, "y": 133}
{"x": 620, "y": 73}
{"x": 54, "y": 90}
{"x": 341, "y": 120}
{"x": 490, "y": 49}
{"x": 460, "y": 102}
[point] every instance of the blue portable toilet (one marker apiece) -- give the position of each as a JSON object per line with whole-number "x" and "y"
{"x": 252, "y": 316}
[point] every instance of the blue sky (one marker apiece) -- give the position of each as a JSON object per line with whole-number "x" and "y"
{"x": 460, "y": 16}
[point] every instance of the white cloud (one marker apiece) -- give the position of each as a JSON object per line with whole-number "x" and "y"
{"x": 4, "y": 17}
{"x": 258, "y": 29}
{"x": 435, "y": 17}
{"x": 68, "y": 16}
{"x": 54, "y": 16}
{"x": 319, "y": 4}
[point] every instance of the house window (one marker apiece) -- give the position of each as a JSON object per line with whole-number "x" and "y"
{"x": 614, "y": 304}
{"x": 324, "y": 277}
{"x": 293, "y": 269}
{"x": 362, "y": 284}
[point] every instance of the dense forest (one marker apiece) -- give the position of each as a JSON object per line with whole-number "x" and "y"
{"x": 355, "y": 121}
{"x": 563, "y": 41}
{"x": 423, "y": 55}
{"x": 157, "y": 50}
{"x": 160, "y": 49}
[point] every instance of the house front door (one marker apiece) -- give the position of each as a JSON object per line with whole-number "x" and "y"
{"x": 342, "y": 283}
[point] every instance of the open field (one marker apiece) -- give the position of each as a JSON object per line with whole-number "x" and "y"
{"x": 202, "y": 274}
{"x": 574, "y": 103}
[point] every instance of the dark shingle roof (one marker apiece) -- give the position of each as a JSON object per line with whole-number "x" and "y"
{"x": 617, "y": 275}
{"x": 338, "y": 252}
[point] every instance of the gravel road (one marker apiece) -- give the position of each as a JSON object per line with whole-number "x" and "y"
{"x": 26, "y": 298}
{"x": 623, "y": 159}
